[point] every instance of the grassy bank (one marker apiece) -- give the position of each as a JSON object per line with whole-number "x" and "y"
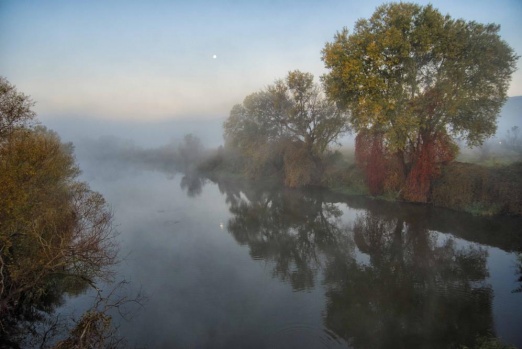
{"x": 477, "y": 189}
{"x": 480, "y": 189}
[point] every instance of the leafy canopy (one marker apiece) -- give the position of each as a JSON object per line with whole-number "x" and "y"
{"x": 294, "y": 109}
{"x": 286, "y": 127}
{"x": 409, "y": 70}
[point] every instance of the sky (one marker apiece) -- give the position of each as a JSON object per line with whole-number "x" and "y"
{"x": 167, "y": 60}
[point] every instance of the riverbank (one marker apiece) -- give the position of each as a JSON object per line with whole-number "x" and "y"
{"x": 477, "y": 189}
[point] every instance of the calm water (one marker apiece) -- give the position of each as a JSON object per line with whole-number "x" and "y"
{"x": 231, "y": 266}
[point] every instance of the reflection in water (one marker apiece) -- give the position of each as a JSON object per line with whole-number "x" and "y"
{"x": 293, "y": 231}
{"x": 414, "y": 288}
{"x": 192, "y": 183}
{"x": 35, "y": 323}
{"x": 519, "y": 273}
{"x": 415, "y": 292}
{"x": 364, "y": 273}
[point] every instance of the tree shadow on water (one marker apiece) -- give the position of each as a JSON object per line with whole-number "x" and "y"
{"x": 390, "y": 281}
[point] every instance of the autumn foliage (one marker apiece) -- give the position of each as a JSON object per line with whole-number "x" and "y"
{"x": 413, "y": 79}
{"x": 54, "y": 231}
{"x": 427, "y": 159}
{"x": 285, "y": 130}
{"x": 383, "y": 172}
{"x": 370, "y": 156}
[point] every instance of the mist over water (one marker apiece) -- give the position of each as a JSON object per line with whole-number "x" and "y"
{"x": 144, "y": 134}
{"x": 114, "y": 135}
{"x": 142, "y": 95}
{"x": 229, "y": 265}
{"x": 226, "y": 265}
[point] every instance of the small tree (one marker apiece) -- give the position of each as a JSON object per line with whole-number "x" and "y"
{"x": 421, "y": 79}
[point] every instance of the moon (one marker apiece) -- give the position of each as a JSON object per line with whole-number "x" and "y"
{"x": 214, "y": 56}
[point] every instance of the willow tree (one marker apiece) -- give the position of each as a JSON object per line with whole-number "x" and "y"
{"x": 289, "y": 124}
{"x": 420, "y": 79}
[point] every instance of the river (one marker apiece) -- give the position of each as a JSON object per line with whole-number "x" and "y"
{"x": 228, "y": 265}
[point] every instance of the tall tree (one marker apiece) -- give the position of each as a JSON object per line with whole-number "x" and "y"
{"x": 420, "y": 79}
{"x": 290, "y": 123}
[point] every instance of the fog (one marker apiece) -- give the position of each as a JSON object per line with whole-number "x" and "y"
{"x": 506, "y": 144}
{"x": 104, "y": 147}
{"x": 154, "y": 145}
{"x": 144, "y": 134}
{"x": 209, "y": 283}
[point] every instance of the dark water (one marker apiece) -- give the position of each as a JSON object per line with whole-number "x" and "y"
{"x": 234, "y": 266}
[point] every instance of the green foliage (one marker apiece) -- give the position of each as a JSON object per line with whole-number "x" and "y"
{"x": 419, "y": 77}
{"x": 285, "y": 129}
{"x": 343, "y": 176}
{"x": 409, "y": 68}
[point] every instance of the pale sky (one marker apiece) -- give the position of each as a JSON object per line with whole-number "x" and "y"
{"x": 162, "y": 60}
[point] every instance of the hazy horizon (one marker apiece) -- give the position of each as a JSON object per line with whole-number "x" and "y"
{"x": 171, "y": 60}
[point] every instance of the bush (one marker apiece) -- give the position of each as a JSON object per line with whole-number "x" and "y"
{"x": 480, "y": 190}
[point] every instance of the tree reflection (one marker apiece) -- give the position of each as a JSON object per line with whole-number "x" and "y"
{"x": 390, "y": 281}
{"x": 419, "y": 290}
{"x": 294, "y": 232}
{"x": 519, "y": 273}
{"x": 34, "y": 323}
{"x": 193, "y": 183}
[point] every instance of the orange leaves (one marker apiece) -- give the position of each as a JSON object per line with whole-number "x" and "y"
{"x": 429, "y": 155}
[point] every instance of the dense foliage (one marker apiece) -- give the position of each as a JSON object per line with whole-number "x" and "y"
{"x": 419, "y": 79}
{"x": 55, "y": 233}
{"x": 286, "y": 128}
{"x": 480, "y": 189}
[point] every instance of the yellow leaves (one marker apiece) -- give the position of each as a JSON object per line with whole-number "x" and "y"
{"x": 409, "y": 69}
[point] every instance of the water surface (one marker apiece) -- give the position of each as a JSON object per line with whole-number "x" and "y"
{"x": 228, "y": 265}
